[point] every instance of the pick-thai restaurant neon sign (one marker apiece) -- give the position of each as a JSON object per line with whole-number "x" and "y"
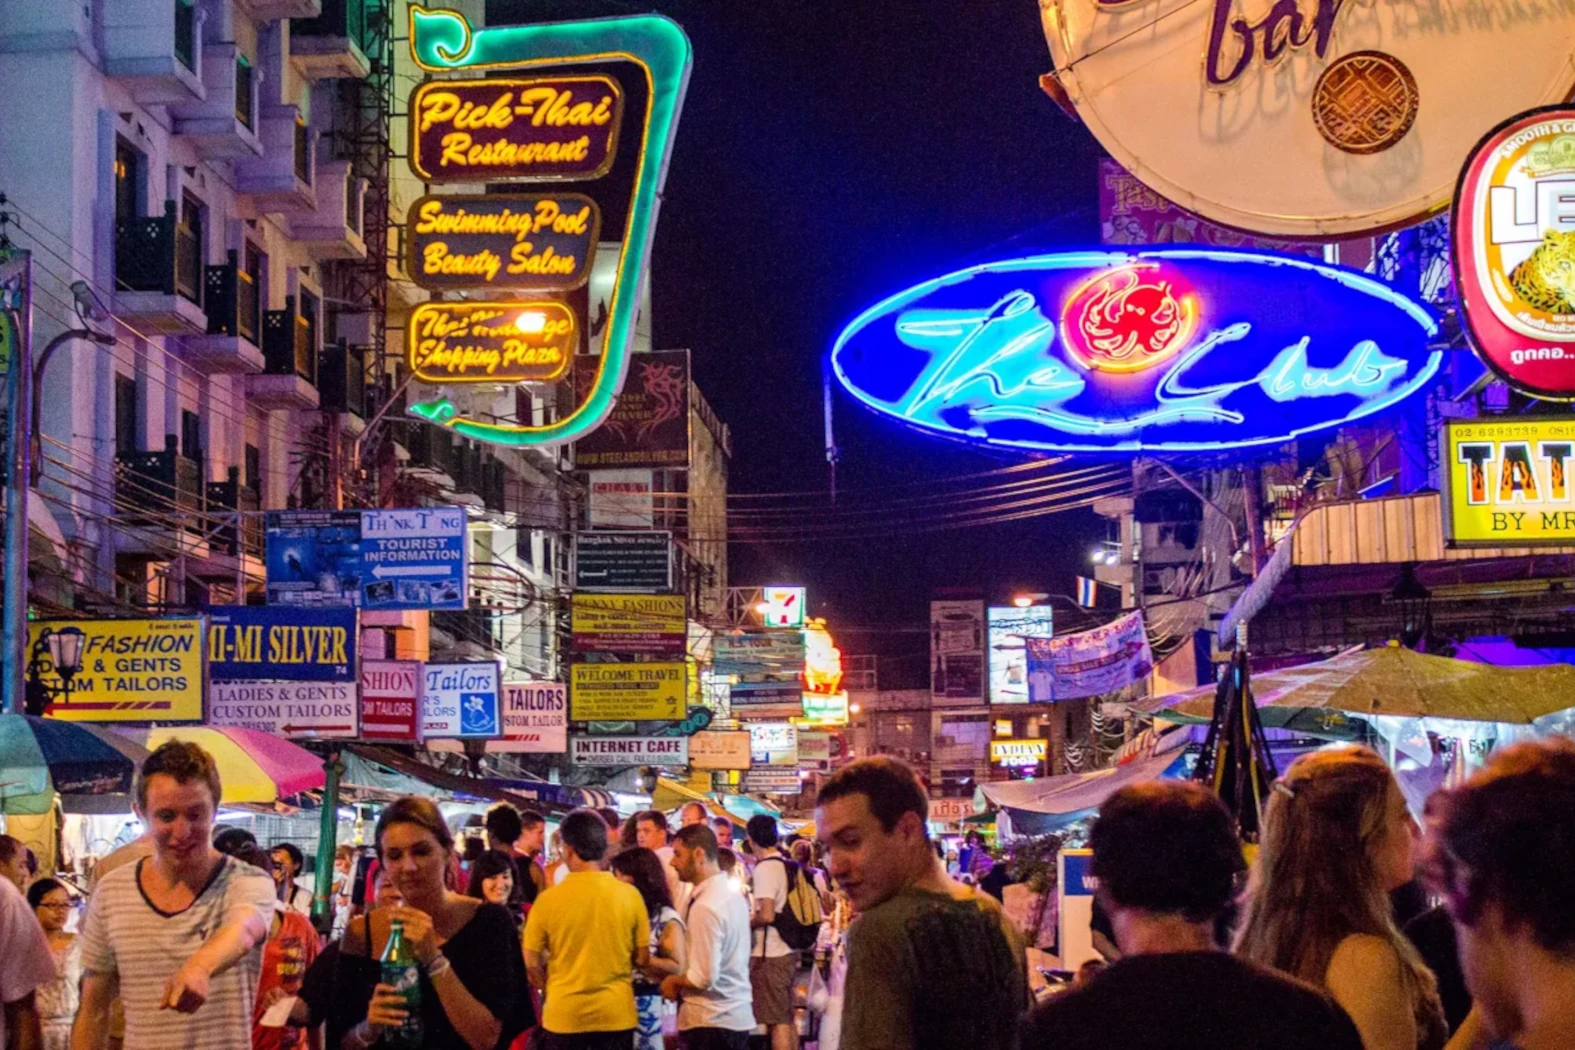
{"x": 1175, "y": 350}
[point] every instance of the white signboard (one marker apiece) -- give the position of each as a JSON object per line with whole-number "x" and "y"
{"x": 773, "y": 744}
{"x": 1009, "y": 654}
{"x": 461, "y": 701}
{"x": 621, "y": 499}
{"x": 1302, "y": 119}
{"x": 719, "y": 749}
{"x": 773, "y": 780}
{"x": 314, "y": 710}
{"x": 629, "y": 750}
{"x": 535, "y": 718}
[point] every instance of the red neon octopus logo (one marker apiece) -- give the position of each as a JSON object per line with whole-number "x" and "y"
{"x": 1129, "y": 318}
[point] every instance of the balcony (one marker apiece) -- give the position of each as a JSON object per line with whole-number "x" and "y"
{"x": 332, "y": 229}
{"x": 159, "y": 489}
{"x": 230, "y": 497}
{"x": 289, "y": 378}
{"x": 281, "y": 179}
{"x": 272, "y": 10}
{"x": 332, "y": 45}
{"x": 342, "y": 381}
{"x": 223, "y": 124}
{"x": 153, "y": 48}
{"x": 232, "y": 343}
{"x": 158, "y": 275}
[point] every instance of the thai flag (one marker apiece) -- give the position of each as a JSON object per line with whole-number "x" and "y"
{"x": 1087, "y": 592}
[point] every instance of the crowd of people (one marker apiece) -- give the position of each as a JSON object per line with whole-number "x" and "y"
{"x": 197, "y": 940}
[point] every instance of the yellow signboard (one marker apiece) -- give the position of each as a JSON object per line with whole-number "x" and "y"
{"x": 132, "y": 670}
{"x": 651, "y": 624}
{"x": 627, "y": 692}
{"x": 1017, "y": 752}
{"x": 1509, "y": 481}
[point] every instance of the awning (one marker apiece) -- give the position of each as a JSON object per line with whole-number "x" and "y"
{"x": 543, "y": 797}
{"x": 1077, "y": 793}
{"x": 1395, "y": 681}
{"x": 670, "y": 794}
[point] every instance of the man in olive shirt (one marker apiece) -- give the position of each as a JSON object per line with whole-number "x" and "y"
{"x": 931, "y": 963}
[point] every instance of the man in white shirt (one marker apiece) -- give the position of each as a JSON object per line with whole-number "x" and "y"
{"x": 713, "y": 992}
{"x": 28, "y": 964}
{"x": 650, "y": 827}
{"x": 288, "y": 860}
{"x": 772, "y": 964}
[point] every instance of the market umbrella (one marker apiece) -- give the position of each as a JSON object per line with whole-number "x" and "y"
{"x": 253, "y": 766}
{"x": 40, "y": 757}
{"x": 1395, "y": 681}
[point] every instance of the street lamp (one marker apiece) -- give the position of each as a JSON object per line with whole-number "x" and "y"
{"x": 64, "y": 648}
{"x": 1025, "y": 601}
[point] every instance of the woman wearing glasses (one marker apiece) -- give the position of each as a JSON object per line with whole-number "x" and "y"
{"x": 57, "y": 1000}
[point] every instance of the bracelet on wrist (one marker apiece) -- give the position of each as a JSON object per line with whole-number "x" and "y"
{"x": 365, "y": 1034}
{"x": 438, "y": 966}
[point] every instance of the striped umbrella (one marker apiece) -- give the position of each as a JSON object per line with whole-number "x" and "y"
{"x": 40, "y": 757}
{"x": 253, "y": 766}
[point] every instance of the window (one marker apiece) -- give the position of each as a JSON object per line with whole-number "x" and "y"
{"x": 303, "y": 151}
{"x": 125, "y": 415}
{"x": 190, "y": 434}
{"x": 253, "y": 468}
{"x": 186, "y": 33}
{"x": 243, "y": 90}
{"x": 248, "y": 290}
{"x": 128, "y": 181}
{"x": 189, "y": 249}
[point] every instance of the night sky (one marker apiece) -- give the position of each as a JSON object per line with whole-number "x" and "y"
{"x": 828, "y": 155}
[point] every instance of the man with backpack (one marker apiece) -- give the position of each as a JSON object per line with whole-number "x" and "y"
{"x": 786, "y": 917}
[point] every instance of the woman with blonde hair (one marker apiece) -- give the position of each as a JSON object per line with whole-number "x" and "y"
{"x": 1336, "y": 839}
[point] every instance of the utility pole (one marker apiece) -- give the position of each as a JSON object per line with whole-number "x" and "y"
{"x": 16, "y": 298}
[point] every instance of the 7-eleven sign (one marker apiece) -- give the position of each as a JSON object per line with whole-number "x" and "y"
{"x": 782, "y": 606}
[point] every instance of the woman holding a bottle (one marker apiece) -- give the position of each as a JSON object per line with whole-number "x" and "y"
{"x": 437, "y": 970}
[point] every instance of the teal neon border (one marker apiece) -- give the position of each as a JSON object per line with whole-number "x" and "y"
{"x": 443, "y": 41}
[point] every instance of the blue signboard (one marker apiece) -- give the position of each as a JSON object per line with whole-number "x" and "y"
{"x": 1106, "y": 351}
{"x": 260, "y": 643}
{"x": 413, "y": 559}
{"x": 1080, "y": 881}
{"x": 375, "y": 559}
{"x": 461, "y": 701}
{"x": 314, "y": 557}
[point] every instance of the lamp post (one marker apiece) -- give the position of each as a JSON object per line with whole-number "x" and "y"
{"x": 64, "y": 647}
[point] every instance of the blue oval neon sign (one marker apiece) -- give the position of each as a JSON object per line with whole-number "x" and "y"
{"x": 1172, "y": 351}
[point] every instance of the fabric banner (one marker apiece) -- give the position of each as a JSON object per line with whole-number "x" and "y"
{"x": 1091, "y": 663}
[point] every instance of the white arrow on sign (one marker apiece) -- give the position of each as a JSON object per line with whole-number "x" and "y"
{"x": 410, "y": 570}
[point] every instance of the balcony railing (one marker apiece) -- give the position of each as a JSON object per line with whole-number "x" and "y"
{"x": 290, "y": 343}
{"x": 166, "y": 485}
{"x": 234, "y": 301}
{"x": 159, "y": 254}
{"x": 342, "y": 384}
{"x": 432, "y": 448}
{"x": 231, "y": 497}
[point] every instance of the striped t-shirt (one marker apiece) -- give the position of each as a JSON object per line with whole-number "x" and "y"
{"x": 124, "y": 934}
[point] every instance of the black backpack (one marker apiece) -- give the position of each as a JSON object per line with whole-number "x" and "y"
{"x": 798, "y": 922}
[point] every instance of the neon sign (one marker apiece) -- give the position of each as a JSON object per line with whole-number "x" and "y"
{"x": 500, "y": 342}
{"x": 444, "y": 42}
{"x": 1176, "y": 350}
{"x": 1514, "y": 247}
{"x": 543, "y": 242}
{"x": 537, "y": 129}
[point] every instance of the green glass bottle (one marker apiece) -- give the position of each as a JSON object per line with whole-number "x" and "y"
{"x": 401, "y": 970}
